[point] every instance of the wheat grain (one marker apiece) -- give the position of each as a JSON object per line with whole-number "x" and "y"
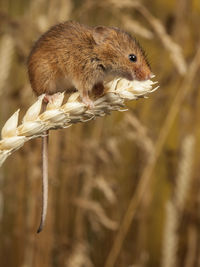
{"x": 57, "y": 115}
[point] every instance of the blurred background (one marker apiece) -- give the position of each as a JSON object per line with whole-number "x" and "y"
{"x": 124, "y": 190}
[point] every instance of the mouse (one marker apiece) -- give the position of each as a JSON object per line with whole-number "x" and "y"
{"x": 71, "y": 56}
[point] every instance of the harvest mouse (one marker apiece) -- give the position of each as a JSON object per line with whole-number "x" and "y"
{"x": 74, "y": 56}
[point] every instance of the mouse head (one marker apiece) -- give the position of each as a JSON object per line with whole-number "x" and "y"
{"x": 120, "y": 54}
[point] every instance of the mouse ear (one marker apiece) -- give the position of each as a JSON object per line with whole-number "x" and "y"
{"x": 100, "y": 33}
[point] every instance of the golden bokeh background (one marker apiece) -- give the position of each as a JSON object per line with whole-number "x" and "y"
{"x": 124, "y": 190}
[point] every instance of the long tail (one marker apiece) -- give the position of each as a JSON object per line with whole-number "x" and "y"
{"x": 44, "y": 181}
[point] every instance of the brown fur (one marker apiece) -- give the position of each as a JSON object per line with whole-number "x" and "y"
{"x": 71, "y": 55}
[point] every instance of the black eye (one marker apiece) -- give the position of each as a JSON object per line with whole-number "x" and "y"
{"x": 132, "y": 57}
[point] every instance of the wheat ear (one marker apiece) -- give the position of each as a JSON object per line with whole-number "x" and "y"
{"x": 58, "y": 115}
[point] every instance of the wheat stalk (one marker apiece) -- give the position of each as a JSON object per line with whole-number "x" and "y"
{"x": 6, "y": 55}
{"x": 176, "y": 205}
{"x": 58, "y": 115}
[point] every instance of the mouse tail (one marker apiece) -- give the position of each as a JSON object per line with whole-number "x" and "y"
{"x": 44, "y": 180}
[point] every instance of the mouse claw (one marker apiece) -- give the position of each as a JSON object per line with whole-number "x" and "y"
{"x": 88, "y": 102}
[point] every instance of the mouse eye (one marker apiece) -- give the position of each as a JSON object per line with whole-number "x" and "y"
{"x": 132, "y": 57}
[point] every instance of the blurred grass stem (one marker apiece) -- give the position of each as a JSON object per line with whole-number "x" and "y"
{"x": 136, "y": 199}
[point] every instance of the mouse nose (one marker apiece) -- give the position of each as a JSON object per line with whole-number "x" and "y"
{"x": 149, "y": 76}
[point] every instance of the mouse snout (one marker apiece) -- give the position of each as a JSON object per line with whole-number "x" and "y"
{"x": 148, "y": 76}
{"x": 142, "y": 73}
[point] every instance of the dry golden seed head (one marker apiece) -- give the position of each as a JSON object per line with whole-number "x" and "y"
{"x": 57, "y": 101}
{"x": 57, "y": 115}
{"x": 31, "y": 128}
{"x": 74, "y": 97}
{"x": 12, "y": 142}
{"x": 10, "y": 127}
{"x": 34, "y": 111}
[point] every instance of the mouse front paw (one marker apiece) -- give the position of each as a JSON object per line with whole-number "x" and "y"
{"x": 88, "y": 102}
